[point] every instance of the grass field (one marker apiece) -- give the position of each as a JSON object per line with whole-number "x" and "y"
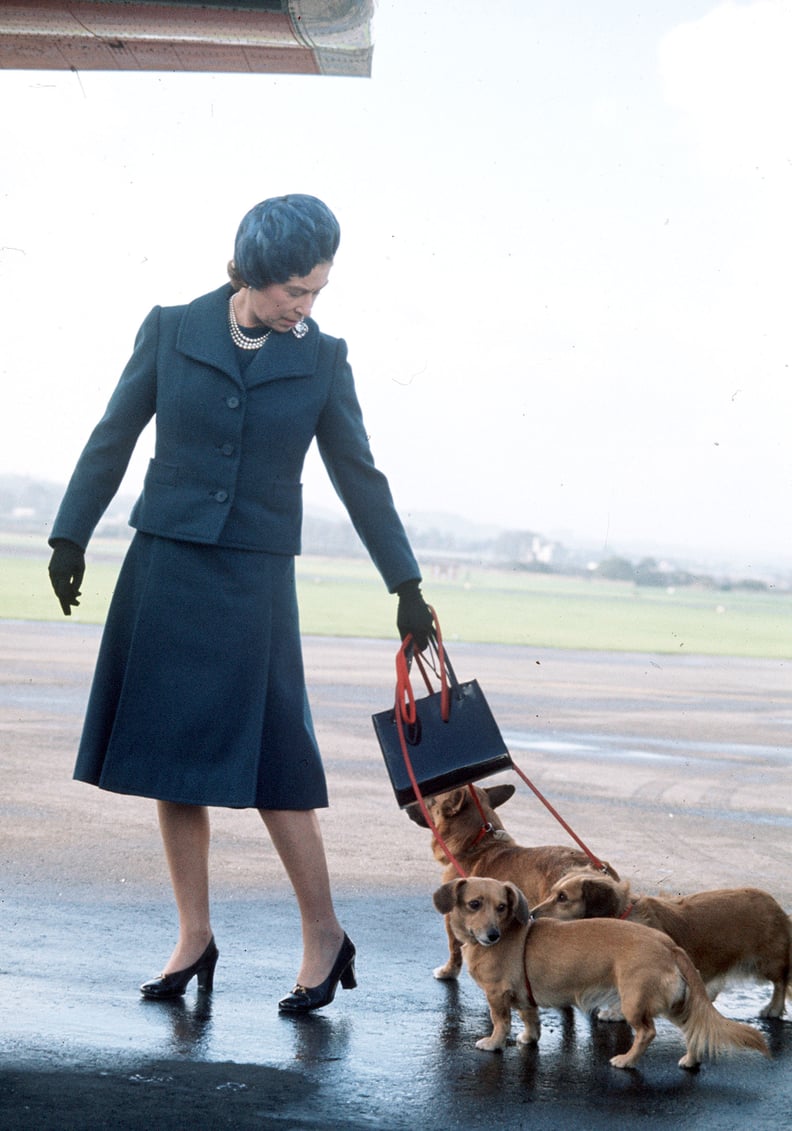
{"x": 344, "y": 597}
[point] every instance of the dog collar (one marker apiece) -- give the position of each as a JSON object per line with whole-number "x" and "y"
{"x": 483, "y": 831}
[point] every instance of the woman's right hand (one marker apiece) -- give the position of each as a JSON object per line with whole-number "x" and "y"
{"x": 66, "y": 570}
{"x": 414, "y": 617}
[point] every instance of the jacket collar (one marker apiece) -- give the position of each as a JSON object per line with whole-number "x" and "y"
{"x": 203, "y": 336}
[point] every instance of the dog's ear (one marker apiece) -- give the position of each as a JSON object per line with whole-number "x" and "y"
{"x": 518, "y": 904}
{"x": 446, "y": 898}
{"x": 600, "y": 899}
{"x": 453, "y": 803}
{"x": 415, "y": 813}
{"x": 497, "y": 794}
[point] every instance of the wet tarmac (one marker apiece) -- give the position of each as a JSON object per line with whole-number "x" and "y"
{"x": 682, "y": 784}
{"x": 82, "y": 1050}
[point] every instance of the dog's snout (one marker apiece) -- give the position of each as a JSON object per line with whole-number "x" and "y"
{"x": 485, "y": 934}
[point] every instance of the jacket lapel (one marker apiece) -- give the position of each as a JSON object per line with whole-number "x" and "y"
{"x": 203, "y": 336}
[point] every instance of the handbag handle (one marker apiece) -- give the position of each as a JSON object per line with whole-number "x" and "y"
{"x": 405, "y": 696}
{"x": 405, "y": 713}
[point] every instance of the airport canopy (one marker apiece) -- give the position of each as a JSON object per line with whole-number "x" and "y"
{"x": 306, "y": 37}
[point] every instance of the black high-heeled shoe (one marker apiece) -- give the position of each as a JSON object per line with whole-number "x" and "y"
{"x": 174, "y": 985}
{"x": 304, "y": 998}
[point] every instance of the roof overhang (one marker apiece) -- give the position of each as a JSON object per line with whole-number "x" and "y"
{"x": 308, "y": 37}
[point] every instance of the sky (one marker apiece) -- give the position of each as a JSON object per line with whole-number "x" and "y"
{"x": 564, "y": 272}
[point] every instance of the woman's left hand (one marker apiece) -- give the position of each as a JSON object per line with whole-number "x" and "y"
{"x": 66, "y": 570}
{"x": 414, "y": 617}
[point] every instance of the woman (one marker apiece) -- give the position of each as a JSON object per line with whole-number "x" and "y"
{"x": 199, "y": 697}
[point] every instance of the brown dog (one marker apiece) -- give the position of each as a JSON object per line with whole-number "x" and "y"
{"x": 521, "y": 964}
{"x": 732, "y": 933}
{"x": 482, "y": 846}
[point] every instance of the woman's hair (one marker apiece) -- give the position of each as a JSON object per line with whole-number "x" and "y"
{"x": 282, "y": 237}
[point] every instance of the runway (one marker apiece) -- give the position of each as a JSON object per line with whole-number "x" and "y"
{"x": 676, "y": 769}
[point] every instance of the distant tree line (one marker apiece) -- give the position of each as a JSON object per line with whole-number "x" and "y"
{"x": 650, "y": 573}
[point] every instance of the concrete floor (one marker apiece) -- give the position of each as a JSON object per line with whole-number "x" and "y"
{"x": 675, "y": 769}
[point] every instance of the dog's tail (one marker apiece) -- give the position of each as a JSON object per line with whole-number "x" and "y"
{"x": 707, "y": 1032}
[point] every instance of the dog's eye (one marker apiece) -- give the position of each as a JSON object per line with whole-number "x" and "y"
{"x": 501, "y": 908}
{"x": 562, "y": 897}
{"x": 474, "y": 904}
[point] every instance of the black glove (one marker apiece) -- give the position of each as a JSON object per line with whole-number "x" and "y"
{"x": 414, "y": 617}
{"x": 66, "y": 570}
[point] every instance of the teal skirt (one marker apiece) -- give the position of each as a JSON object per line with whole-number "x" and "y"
{"x": 199, "y": 690}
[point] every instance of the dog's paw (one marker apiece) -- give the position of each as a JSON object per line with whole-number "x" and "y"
{"x": 528, "y": 1037}
{"x": 610, "y": 1015}
{"x": 622, "y": 1061}
{"x": 769, "y": 1011}
{"x": 490, "y": 1044}
{"x": 447, "y": 973}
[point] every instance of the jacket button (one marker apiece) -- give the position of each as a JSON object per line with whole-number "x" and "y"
{"x": 227, "y": 449}
{"x": 232, "y": 402}
{"x": 221, "y": 496}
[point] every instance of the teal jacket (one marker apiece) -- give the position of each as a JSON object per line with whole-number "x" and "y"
{"x": 229, "y": 453}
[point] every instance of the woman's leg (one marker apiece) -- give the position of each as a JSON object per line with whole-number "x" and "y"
{"x": 298, "y": 841}
{"x": 185, "y": 836}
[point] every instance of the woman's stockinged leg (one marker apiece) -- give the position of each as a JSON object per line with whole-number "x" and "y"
{"x": 185, "y": 837}
{"x": 297, "y": 838}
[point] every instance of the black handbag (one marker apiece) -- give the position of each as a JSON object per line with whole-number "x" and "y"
{"x": 446, "y": 739}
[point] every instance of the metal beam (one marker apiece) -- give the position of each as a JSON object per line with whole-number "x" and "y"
{"x": 270, "y": 37}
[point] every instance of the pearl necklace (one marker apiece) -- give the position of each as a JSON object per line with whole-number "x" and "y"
{"x": 237, "y": 337}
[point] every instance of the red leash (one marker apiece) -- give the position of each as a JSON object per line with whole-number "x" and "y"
{"x": 594, "y": 859}
{"x": 406, "y": 715}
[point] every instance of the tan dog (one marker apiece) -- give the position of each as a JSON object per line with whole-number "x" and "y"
{"x": 482, "y": 846}
{"x": 729, "y": 934}
{"x": 521, "y": 964}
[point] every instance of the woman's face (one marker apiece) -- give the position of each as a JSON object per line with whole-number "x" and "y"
{"x": 282, "y": 305}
